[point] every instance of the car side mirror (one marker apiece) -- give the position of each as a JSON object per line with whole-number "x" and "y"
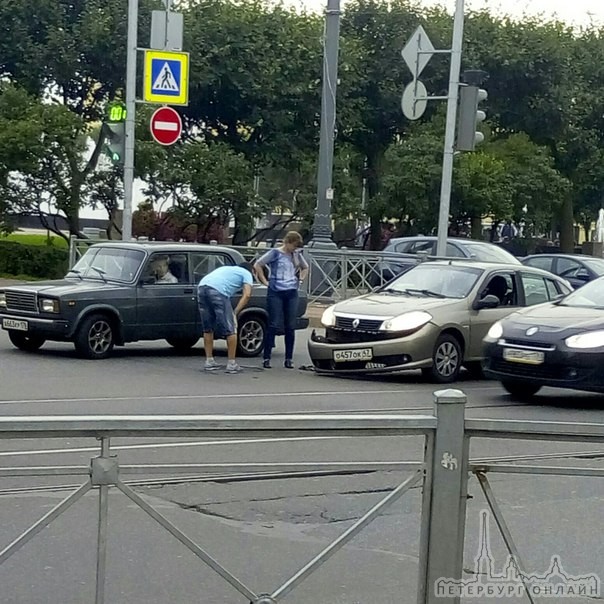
{"x": 489, "y": 301}
{"x": 148, "y": 280}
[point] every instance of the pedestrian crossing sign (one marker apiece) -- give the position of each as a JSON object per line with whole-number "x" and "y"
{"x": 166, "y": 77}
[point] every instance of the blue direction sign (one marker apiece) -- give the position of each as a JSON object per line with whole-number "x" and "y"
{"x": 166, "y": 77}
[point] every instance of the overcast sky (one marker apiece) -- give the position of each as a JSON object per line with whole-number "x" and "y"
{"x": 576, "y": 12}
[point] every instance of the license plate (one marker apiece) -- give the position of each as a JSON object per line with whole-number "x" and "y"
{"x": 14, "y": 324}
{"x": 528, "y": 357}
{"x": 358, "y": 354}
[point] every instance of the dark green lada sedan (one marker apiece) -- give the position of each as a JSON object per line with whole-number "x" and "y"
{"x": 121, "y": 292}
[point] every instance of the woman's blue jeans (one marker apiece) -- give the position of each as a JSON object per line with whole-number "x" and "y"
{"x": 282, "y": 307}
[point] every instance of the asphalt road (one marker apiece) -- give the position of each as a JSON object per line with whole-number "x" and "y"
{"x": 265, "y": 530}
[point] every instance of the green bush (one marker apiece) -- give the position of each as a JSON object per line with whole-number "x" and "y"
{"x": 44, "y": 262}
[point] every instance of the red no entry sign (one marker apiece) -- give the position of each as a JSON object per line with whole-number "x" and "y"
{"x": 166, "y": 126}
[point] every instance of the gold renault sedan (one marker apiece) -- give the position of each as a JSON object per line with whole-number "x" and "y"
{"x": 433, "y": 317}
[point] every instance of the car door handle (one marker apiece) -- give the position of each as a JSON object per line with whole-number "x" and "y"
{"x": 189, "y": 291}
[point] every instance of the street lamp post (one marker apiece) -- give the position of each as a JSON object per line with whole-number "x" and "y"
{"x": 321, "y": 231}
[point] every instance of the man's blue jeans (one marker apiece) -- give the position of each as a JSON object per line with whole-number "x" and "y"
{"x": 282, "y": 309}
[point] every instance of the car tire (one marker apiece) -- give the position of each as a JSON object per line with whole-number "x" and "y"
{"x": 24, "y": 342}
{"x": 250, "y": 336}
{"x": 521, "y": 391}
{"x": 182, "y": 344}
{"x": 447, "y": 360}
{"x": 95, "y": 337}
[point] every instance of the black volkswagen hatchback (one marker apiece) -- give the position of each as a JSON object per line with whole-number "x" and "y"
{"x": 558, "y": 344}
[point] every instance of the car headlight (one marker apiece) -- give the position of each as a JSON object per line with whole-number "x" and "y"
{"x": 496, "y": 331}
{"x": 329, "y": 318}
{"x": 2, "y": 300}
{"x": 592, "y": 339}
{"x": 410, "y": 321}
{"x": 49, "y": 305}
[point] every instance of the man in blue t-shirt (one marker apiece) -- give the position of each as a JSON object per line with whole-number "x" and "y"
{"x": 214, "y": 294}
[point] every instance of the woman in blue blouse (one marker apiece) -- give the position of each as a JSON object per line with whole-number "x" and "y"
{"x": 288, "y": 269}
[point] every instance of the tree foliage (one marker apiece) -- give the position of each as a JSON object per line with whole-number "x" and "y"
{"x": 254, "y": 116}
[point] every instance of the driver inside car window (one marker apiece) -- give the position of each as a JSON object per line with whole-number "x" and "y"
{"x": 161, "y": 270}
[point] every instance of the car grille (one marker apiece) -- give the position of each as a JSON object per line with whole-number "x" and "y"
{"x": 337, "y": 336}
{"x": 547, "y": 372}
{"x": 364, "y": 324}
{"x": 23, "y": 301}
{"x": 529, "y": 344}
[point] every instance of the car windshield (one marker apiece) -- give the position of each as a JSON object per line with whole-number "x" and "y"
{"x": 489, "y": 253}
{"x": 590, "y": 295}
{"x": 108, "y": 264}
{"x": 435, "y": 280}
{"x": 595, "y": 264}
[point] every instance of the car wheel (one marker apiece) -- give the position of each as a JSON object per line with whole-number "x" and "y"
{"x": 182, "y": 344}
{"x": 250, "y": 336}
{"x": 24, "y": 342}
{"x": 95, "y": 337}
{"x": 446, "y": 360}
{"x": 521, "y": 391}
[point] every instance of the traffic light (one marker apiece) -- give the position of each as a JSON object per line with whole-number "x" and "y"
{"x": 115, "y": 141}
{"x": 470, "y": 117}
{"x": 116, "y": 113}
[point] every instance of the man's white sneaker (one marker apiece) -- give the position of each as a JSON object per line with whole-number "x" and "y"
{"x": 211, "y": 365}
{"x": 233, "y": 368}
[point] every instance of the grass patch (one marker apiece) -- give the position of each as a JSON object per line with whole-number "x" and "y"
{"x": 20, "y": 277}
{"x": 36, "y": 239}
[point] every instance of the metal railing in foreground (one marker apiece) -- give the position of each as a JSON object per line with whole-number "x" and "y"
{"x": 442, "y": 474}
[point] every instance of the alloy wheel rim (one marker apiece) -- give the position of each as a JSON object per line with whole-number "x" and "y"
{"x": 100, "y": 337}
{"x": 447, "y": 359}
{"x": 251, "y": 336}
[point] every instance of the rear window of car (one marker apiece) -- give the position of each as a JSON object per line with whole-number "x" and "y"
{"x": 490, "y": 253}
{"x": 544, "y": 263}
{"x": 595, "y": 264}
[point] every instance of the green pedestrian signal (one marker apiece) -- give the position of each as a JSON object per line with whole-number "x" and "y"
{"x": 115, "y": 142}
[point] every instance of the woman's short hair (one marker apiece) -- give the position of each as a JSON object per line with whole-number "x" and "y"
{"x": 293, "y": 237}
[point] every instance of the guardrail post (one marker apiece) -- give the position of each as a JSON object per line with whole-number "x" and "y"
{"x": 444, "y": 504}
{"x": 344, "y": 276}
{"x": 103, "y": 473}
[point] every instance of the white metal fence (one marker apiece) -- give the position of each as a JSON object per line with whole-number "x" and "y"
{"x": 442, "y": 474}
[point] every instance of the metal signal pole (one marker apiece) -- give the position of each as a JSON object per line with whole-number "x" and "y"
{"x": 449, "y": 150}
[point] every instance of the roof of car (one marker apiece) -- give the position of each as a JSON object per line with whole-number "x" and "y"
{"x": 488, "y": 266}
{"x": 434, "y": 238}
{"x": 164, "y": 246}
{"x": 571, "y": 256}
{"x": 469, "y": 263}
